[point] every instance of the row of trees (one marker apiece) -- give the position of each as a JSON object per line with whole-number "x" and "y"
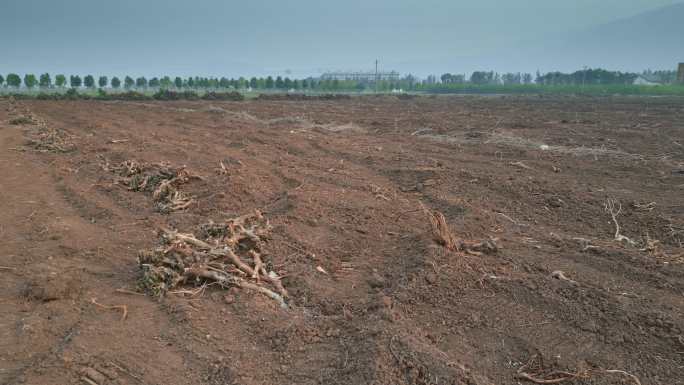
{"x": 487, "y": 77}
{"x": 75, "y": 81}
{"x": 582, "y": 77}
{"x": 587, "y": 76}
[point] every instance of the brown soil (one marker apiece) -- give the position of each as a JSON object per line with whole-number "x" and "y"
{"x": 373, "y": 298}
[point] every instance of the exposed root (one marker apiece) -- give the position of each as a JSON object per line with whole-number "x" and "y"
{"x": 534, "y": 371}
{"x": 561, "y": 276}
{"x": 161, "y": 180}
{"x": 441, "y": 232}
{"x": 443, "y": 235}
{"x": 520, "y": 165}
{"x": 622, "y": 372}
{"x": 220, "y": 254}
{"x": 610, "y": 207}
{"x": 123, "y": 308}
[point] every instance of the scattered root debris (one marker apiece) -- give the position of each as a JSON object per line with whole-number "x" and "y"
{"x": 443, "y": 235}
{"x": 644, "y": 206}
{"x": 44, "y": 138}
{"x": 610, "y": 208}
{"x": 534, "y": 371}
{"x": 227, "y": 254}
{"x": 22, "y": 120}
{"x": 160, "y": 179}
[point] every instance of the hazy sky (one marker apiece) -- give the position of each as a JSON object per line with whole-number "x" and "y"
{"x": 255, "y": 37}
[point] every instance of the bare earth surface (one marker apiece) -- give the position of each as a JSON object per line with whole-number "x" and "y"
{"x": 373, "y": 298}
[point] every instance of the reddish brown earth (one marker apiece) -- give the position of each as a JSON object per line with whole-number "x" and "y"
{"x": 342, "y": 182}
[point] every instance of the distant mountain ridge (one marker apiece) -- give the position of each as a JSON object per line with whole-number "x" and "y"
{"x": 649, "y": 40}
{"x": 653, "y": 39}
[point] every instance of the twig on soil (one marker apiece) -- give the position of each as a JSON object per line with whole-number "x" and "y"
{"x": 610, "y": 208}
{"x": 561, "y": 276}
{"x": 631, "y": 376}
{"x": 564, "y": 376}
{"x": 124, "y": 291}
{"x": 644, "y": 206}
{"x": 88, "y": 381}
{"x": 123, "y": 308}
{"x": 509, "y": 218}
{"x": 521, "y": 165}
{"x": 7, "y": 268}
{"x": 586, "y": 244}
{"x": 137, "y": 378}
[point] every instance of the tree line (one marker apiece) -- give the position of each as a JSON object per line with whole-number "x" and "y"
{"x": 589, "y": 76}
{"x": 45, "y": 80}
{"x": 408, "y": 82}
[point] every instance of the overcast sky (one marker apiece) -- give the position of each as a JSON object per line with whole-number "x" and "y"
{"x": 256, "y": 37}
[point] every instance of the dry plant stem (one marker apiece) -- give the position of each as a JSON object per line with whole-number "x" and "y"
{"x": 88, "y": 381}
{"x": 276, "y": 297}
{"x": 123, "y": 308}
{"x": 529, "y": 377}
{"x": 521, "y": 165}
{"x": 235, "y": 260}
{"x": 610, "y": 208}
{"x": 124, "y": 291}
{"x": 236, "y": 281}
{"x": 187, "y": 238}
{"x": 258, "y": 264}
{"x": 631, "y": 376}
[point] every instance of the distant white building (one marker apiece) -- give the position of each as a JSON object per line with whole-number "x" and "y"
{"x": 642, "y": 81}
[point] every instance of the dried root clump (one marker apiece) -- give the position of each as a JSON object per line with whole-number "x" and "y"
{"x": 44, "y": 138}
{"x": 22, "y": 120}
{"x": 443, "y": 235}
{"x": 227, "y": 254}
{"x": 161, "y": 180}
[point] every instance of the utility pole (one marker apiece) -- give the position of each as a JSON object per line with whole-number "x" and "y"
{"x": 376, "y": 76}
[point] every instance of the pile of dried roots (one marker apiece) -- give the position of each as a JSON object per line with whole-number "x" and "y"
{"x": 160, "y": 179}
{"x": 44, "y": 138}
{"x": 227, "y": 254}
